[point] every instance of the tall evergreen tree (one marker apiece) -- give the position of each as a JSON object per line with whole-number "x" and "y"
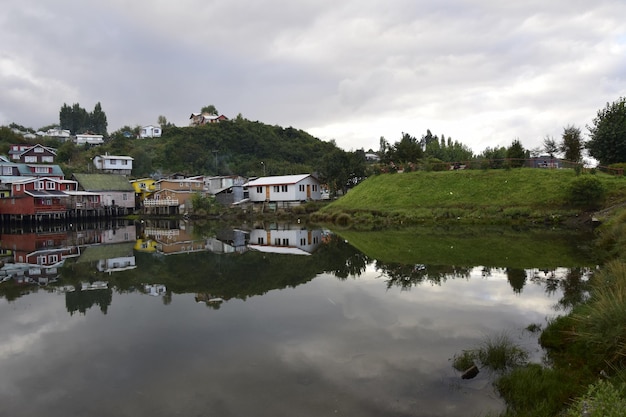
{"x": 98, "y": 120}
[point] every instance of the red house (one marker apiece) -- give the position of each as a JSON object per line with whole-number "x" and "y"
{"x": 36, "y": 198}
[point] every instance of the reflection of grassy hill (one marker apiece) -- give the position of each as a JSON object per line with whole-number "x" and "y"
{"x": 470, "y": 196}
{"x": 474, "y": 246}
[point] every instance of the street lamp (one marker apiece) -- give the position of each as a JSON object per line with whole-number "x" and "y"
{"x": 263, "y": 163}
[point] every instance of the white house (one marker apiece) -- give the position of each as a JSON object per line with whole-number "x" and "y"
{"x": 84, "y": 138}
{"x": 58, "y": 133}
{"x": 284, "y": 188}
{"x": 113, "y": 164}
{"x": 288, "y": 241}
{"x": 150, "y": 132}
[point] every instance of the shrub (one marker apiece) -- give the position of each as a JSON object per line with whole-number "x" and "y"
{"x": 586, "y": 192}
{"x": 602, "y": 399}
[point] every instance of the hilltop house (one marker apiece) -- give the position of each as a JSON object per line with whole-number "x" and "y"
{"x": 112, "y": 164}
{"x": 199, "y": 119}
{"x": 284, "y": 189}
{"x": 88, "y": 139}
{"x": 150, "y": 132}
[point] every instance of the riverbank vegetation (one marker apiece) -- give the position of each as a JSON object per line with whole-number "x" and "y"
{"x": 523, "y": 195}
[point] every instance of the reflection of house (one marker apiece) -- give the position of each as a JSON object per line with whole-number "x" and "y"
{"x": 286, "y": 241}
{"x": 114, "y": 164}
{"x": 32, "y": 154}
{"x": 229, "y": 241}
{"x": 172, "y": 241}
{"x": 45, "y": 249}
{"x": 150, "y": 132}
{"x": 284, "y": 188}
{"x": 110, "y": 258}
{"x": 155, "y": 290}
{"x": 114, "y": 190}
{"x": 199, "y": 119}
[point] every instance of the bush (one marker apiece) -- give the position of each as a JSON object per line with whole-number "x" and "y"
{"x": 602, "y": 399}
{"x": 586, "y": 192}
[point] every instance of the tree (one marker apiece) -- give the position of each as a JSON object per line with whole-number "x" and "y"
{"x": 162, "y": 121}
{"x": 516, "y": 154}
{"x": 608, "y": 133}
{"x": 210, "y": 109}
{"x": 550, "y": 146}
{"x": 408, "y": 149}
{"x": 98, "y": 120}
{"x": 572, "y": 144}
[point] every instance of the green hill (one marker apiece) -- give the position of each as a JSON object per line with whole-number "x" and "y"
{"x": 471, "y": 196}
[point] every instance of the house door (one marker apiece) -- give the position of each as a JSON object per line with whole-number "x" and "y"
{"x": 107, "y": 200}
{"x": 308, "y": 191}
{"x": 267, "y": 192}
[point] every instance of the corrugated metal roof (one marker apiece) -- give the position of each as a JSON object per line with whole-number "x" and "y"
{"x": 278, "y": 180}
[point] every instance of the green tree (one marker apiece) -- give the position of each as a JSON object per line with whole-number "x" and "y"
{"x": 550, "y": 146}
{"x": 572, "y": 144}
{"x": 162, "y": 121}
{"x": 210, "y": 109}
{"x": 608, "y": 133}
{"x": 409, "y": 149}
{"x": 75, "y": 118}
{"x": 516, "y": 154}
{"x": 98, "y": 120}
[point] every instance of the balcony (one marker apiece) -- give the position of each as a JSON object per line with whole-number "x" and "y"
{"x": 161, "y": 202}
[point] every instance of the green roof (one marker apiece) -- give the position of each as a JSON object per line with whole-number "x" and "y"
{"x": 99, "y": 252}
{"x": 103, "y": 182}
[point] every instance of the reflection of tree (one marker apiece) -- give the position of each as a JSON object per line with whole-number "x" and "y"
{"x": 341, "y": 259}
{"x": 574, "y": 287}
{"x": 517, "y": 279}
{"x": 407, "y": 276}
{"x": 82, "y": 301}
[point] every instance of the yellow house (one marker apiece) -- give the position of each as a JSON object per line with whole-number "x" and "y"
{"x": 144, "y": 187}
{"x": 145, "y": 245}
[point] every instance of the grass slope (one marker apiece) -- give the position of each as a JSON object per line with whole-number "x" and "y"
{"x": 468, "y": 195}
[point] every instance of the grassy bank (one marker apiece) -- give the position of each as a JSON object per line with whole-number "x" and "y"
{"x": 471, "y": 196}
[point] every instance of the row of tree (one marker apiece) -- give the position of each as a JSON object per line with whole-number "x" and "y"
{"x": 77, "y": 120}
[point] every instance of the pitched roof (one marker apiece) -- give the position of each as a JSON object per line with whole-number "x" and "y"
{"x": 278, "y": 180}
{"x": 103, "y": 182}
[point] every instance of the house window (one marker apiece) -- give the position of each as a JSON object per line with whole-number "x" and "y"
{"x": 41, "y": 260}
{"x": 124, "y": 162}
{"x": 47, "y": 159}
{"x": 39, "y": 185}
{"x": 284, "y": 188}
{"x": 301, "y": 187}
{"x": 38, "y": 150}
{"x": 277, "y": 241}
{"x": 260, "y": 241}
{"x": 42, "y": 170}
{"x": 18, "y": 187}
{"x": 142, "y": 185}
{"x": 53, "y": 259}
{"x": 302, "y": 241}
{"x": 7, "y": 170}
{"x": 125, "y": 197}
{"x": 30, "y": 158}
{"x": 276, "y": 188}
{"x": 259, "y": 190}
{"x": 50, "y": 185}
{"x": 314, "y": 187}
{"x": 113, "y": 162}
{"x": 285, "y": 242}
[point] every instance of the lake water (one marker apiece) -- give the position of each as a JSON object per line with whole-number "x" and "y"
{"x": 171, "y": 319}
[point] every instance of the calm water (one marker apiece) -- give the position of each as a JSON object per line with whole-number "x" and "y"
{"x": 160, "y": 320}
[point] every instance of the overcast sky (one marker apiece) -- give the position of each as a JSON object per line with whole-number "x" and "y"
{"x": 484, "y": 72}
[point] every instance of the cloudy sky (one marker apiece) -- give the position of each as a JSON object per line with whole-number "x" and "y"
{"x": 483, "y": 72}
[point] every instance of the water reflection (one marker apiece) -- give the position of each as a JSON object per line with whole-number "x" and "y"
{"x": 178, "y": 318}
